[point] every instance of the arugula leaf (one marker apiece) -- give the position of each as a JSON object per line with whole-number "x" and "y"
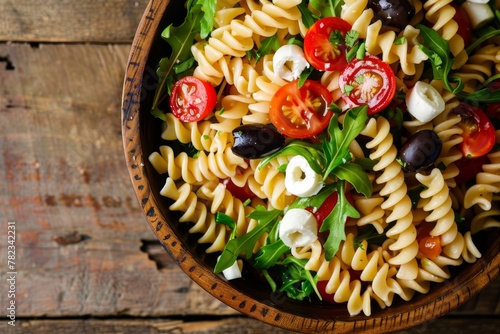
{"x": 308, "y": 18}
{"x": 314, "y": 201}
{"x": 353, "y": 173}
{"x": 304, "y": 75}
{"x": 438, "y": 51}
{"x": 335, "y": 223}
{"x": 296, "y": 275}
{"x": 336, "y": 149}
{"x": 180, "y": 39}
{"x": 309, "y": 151}
{"x": 246, "y": 243}
{"x": 327, "y": 7}
{"x": 267, "y": 45}
{"x": 222, "y": 218}
{"x": 207, "y": 21}
{"x": 268, "y": 255}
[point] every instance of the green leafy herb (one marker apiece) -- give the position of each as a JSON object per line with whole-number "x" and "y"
{"x": 267, "y": 45}
{"x": 335, "y": 222}
{"x": 351, "y": 38}
{"x": 311, "y": 152}
{"x": 354, "y": 174}
{"x": 327, "y": 8}
{"x": 207, "y": 21}
{"x": 222, "y": 218}
{"x": 305, "y": 75}
{"x": 180, "y": 39}
{"x": 298, "y": 282}
{"x": 246, "y": 243}
{"x": 184, "y": 66}
{"x": 268, "y": 255}
{"x": 336, "y": 148}
{"x": 438, "y": 51}
{"x": 336, "y": 38}
{"x": 308, "y": 18}
{"x": 352, "y": 42}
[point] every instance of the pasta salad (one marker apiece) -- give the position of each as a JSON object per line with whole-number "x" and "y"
{"x": 345, "y": 150}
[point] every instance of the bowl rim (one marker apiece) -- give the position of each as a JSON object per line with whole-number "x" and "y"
{"x": 266, "y": 311}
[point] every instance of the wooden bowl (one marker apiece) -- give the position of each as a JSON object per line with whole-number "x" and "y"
{"x": 141, "y": 136}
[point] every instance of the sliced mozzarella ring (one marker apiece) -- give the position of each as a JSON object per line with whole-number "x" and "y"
{"x": 298, "y": 228}
{"x": 424, "y": 102}
{"x": 300, "y": 179}
{"x": 478, "y": 12}
{"x": 289, "y": 62}
{"x": 234, "y": 271}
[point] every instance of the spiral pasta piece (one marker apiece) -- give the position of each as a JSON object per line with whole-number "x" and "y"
{"x": 203, "y": 168}
{"x": 397, "y": 201}
{"x": 487, "y": 184}
{"x": 194, "y": 211}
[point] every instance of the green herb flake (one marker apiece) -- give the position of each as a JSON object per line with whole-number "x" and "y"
{"x": 351, "y": 38}
{"x": 348, "y": 89}
{"x": 336, "y": 38}
{"x": 399, "y": 41}
{"x": 267, "y": 45}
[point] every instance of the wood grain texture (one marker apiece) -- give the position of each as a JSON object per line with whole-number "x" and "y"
{"x": 79, "y": 227}
{"x": 70, "y": 21}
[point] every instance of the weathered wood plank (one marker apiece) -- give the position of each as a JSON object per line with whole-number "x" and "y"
{"x": 70, "y": 21}
{"x": 225, "y": 325}
{"x": 229, "y": 325}
{"x": 63, "y": 171}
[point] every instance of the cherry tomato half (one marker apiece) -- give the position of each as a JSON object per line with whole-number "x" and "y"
{"x": 192, "y": 99}
{"x": 478, "y": 132}
{"x": 369, "y": 81}
{"x": 324, "y": 45}
{"x": 301, "y": 112}
{"x": 428, "y": 245}
{"x": 463, "y": 21}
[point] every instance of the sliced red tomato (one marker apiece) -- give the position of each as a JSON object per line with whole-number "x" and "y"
{"x": 369, "y": 81}
{"x": 428, "y": 246}
{"x": 478, "y": 132}
{"x": 469, "y": 168}
{"x": 463, "y": 21}
{"x": 192, "y": 99}
{"x": 242, "y": 193}
{"x": 324, "y": 45}
{"x": 301, "y": 112}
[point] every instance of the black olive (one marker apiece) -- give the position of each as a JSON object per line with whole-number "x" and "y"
{"x": 393, "y": 13}
{"x": 254, "y": 141}
{"x": 420, "y": 151}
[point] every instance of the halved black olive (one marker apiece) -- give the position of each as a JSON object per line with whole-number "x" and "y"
{"x": 420, "y": 151}
{"x": 393, "y": 13}
{"x": 254, "y": 141}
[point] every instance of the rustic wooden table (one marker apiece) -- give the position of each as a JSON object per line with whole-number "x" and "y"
{"x": 85, "y": 259}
